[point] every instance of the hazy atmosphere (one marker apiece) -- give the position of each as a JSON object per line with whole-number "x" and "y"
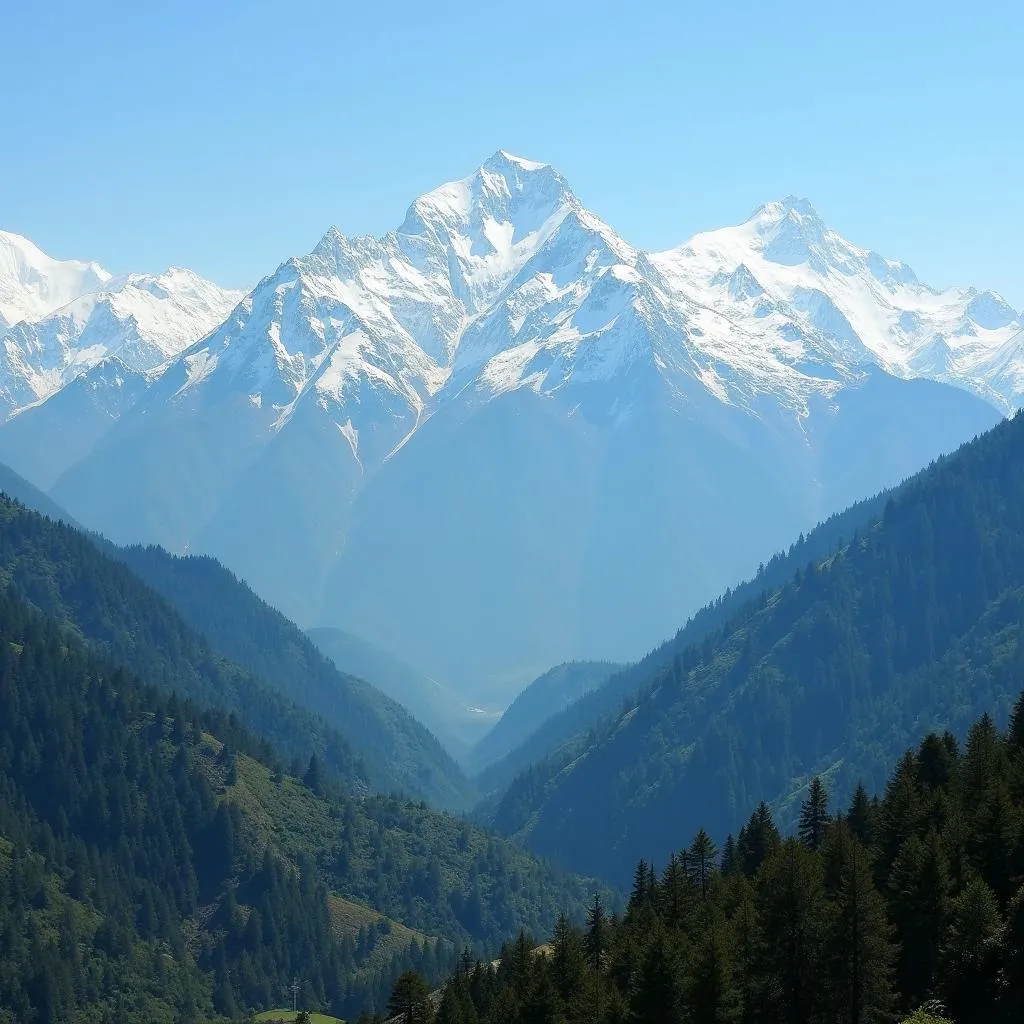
{"x": 511, "y": 515}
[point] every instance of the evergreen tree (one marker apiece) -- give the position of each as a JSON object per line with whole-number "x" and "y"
{"x": 641, "y": 886}
{"x": 594, "y": 946}
{"x": 656, "y": 998}
{"x": 1012, "y": 944}
{"x": 919, "y": 890}
{"x": 542, "y": 1005}
{"x": 568, "y": 961}
{"x": 313, "y": 777}
{"x": 794, "y": 918}
{"x": 814, "y": 816}
{"x": 730, "y": 858}
{"x": 1015, "y": 734}
{"x": 758, "y": 840}
{"x": 971, "y": 954}
{"x": 859, "y": 948}
{"x": 709, "y": 994}
{"x": 675, "y": 893}
{"x": 702, "y": 856}
{"x": 860, "y": 816}
{"x": 410, "y": 999}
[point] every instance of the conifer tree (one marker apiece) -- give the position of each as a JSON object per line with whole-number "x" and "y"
{"x": 674, "y": 892}
{"x": 656, "y": 997}
{"x": 1012, "y": 944}
{"x": 594, "y": 945}
{"x": 794, "y": 918}
{"x": 860, "y": 816}
{"x": 710, "y": 995}
{"x": 702, "y": 857}
{"x": 542, "y": 1005}
{"x": 859, "y": 947}
{"x": 410, "y": 999}
{"x": 641, "y": 880}
{"x": 919, "y": 890}
{"x": 747, "y": 961}
{"x": 568, "y": 962}
{"x": 971, "y": 954}
{"x": 313, "y": 776}
{"x": 1015, "y": 734}
{"x": 758, "y": 839}
{"x": 814, "y": 816}
{"x": 900, "y": 812}
{"x": 730, "y": 859}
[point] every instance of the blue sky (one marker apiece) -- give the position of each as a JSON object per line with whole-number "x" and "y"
{"x": 228, "y": 136}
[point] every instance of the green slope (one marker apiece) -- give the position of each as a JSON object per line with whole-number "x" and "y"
{"x": 566, "y": 730}
{"x": 913, "y": 624}
{"x": 67, "y": 577}
{"x": 401, "y": 755}
{"x": 156, "y": 865}
{"x": 875, "y": 910}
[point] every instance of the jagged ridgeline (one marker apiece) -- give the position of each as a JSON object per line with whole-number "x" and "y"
{"x": 914, "y": 622}
{"x": 157, "y": 863}
{"x": 504, "y": 388}
{"x": 908, "y": 906}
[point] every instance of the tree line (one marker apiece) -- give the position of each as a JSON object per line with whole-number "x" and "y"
{"x": 908, "y": 903}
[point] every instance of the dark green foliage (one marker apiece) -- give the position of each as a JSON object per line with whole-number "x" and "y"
{"x": 656, "y": 997}
{"x": 400, "y": 754}
{"x": 124, "y": 822}
{"x": 116, "y": 836}
{"x": 409, "y": 1000}
{"x": 814, "y": 816}
{"x": 701, "y": 862}
{"x": 65, "y": 575}
{"x": 820, "y": 929}
{"x": 565, "y": 733}
{"x": 915, "y": 623}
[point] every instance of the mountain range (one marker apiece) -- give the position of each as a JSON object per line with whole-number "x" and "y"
{"x": 78, "y": 345}
{"x": 502, "y": 437}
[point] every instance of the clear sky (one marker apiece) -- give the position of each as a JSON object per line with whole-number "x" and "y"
{"x": 228, "y": 136}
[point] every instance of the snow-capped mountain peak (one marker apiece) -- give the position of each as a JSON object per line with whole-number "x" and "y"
{"x": 504, "y": 388}
{"x": 72, "y": 316}
{"x": 482, "y": 229}
{"x": 785, "y": 268}
{"x": 33, "y": 284}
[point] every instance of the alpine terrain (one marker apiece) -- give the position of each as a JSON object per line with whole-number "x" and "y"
{"x": 78, "y": 345}
{"x": 504, "y": 389}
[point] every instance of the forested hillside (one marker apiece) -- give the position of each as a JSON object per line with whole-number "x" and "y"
{"x": 908, "y": 906}
{"x": 568, "y": 730}
{"x": 157, "y": 864}
{"x": 914, "y": 623}
{"x": 400, "y": 754}
{"x": 63, "y": 574}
